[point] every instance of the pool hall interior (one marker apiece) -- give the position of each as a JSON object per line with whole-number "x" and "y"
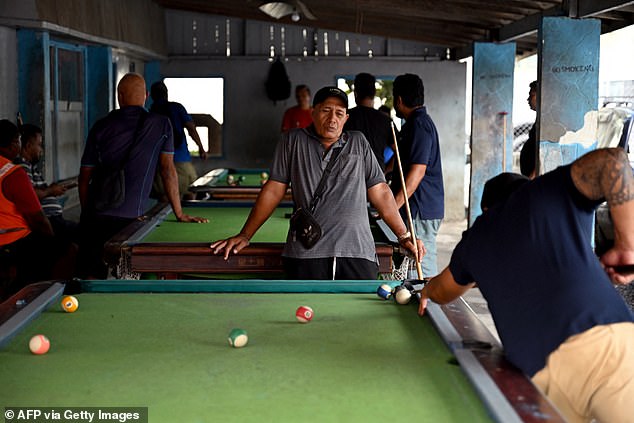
{"x": 62, "y": 62}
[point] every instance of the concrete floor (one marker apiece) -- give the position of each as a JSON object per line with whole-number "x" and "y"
{"x": 448, "y": 236}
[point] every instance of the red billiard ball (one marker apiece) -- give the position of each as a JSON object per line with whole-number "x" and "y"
{"x": 39, "y": 344}
{"x": 304, "y": 314}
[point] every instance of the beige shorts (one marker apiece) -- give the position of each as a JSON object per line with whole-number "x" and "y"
{"x": 186, "y": 175}
{"x": 591, "y": 375}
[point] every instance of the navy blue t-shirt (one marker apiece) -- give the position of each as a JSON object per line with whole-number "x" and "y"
{"x": 178, "y": 117}
{"x": 111, "y": 136}
{"x": 533, "y": 262}
{"x": 419, "y": 145}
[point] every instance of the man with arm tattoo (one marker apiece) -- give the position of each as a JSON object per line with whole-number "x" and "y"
{"x": 558, "y": 315}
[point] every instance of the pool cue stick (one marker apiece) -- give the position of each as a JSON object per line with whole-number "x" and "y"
{"x": 504, "y": 142}
{"x": 419, "y": 269}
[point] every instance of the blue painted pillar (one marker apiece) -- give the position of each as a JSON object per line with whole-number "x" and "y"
{"x": 34, "y": 77}
{"x": 568, "y": 73}
{"x": 100, "y": 83}
{"x": 491, "y": 118}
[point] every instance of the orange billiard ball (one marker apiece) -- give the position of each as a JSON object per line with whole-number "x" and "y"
{"x": 70, "y": 304}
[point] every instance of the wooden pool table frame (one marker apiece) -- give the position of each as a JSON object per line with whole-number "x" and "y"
{"x": 508, "y": 394}
{"x": 128, "y": 256}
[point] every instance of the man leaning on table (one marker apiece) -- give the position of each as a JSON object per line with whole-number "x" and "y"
{"x": 346, "y": 249}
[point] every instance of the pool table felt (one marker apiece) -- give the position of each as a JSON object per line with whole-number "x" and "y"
{"x": 223, "y": 223}
{"x": 360, "y": 359}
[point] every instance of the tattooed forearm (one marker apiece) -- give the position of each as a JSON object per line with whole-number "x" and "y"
{"x": 605, "y": 174}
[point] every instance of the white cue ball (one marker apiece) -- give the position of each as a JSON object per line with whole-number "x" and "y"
{"x": 403, "y": 296}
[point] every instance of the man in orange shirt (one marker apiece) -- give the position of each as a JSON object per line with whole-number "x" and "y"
{"x": 26, "y": 234}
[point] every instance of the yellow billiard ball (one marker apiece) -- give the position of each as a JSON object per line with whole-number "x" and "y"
{"x": 70, "y": 304}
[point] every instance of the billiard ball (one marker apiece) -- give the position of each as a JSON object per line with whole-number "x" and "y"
{"x": 402, "y": 295}
{"x": 241, "y": 179}
{"x": 230, "y": 179}
{"x": 264, "y": 175}
{"x": 304, "y": 314}
{"x": 39, "y": 344}
{"x": 238, "y": 338}
{"x": 384, "y": 291}
{"x": 70, "y": 304}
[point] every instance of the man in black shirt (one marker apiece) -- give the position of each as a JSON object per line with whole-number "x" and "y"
{"x": 528, "y": 155}
{"x": 372, "y": 123}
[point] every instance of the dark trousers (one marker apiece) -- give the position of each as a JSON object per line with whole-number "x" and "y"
{"x": 322, "y": 268}
{"x": 66, "y": 230}
{"x": 94, "y": 232}
{"x": 31, "y": 259}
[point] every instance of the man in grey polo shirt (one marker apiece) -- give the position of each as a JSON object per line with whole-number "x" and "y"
{"x": 346, "y": 248}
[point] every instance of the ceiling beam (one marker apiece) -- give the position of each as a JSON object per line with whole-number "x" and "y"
{"x": 453, "y": 24}
{"x": 526, "y": 26}
{"x": 589, "y": 8}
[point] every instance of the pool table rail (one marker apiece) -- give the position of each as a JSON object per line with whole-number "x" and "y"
{"x": 19, "y": 310}
{"x": 509, "y": 394}
{"x": 170, "y": 260}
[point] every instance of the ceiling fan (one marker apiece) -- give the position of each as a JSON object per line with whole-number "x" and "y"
{"x": 295, "y": 8}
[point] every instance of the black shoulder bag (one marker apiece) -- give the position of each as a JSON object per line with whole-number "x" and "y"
{"x": 107, "y": 186}
{"x": 303, "y": 224}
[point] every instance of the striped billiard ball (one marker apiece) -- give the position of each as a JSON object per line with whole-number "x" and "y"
{"x": 304, "y": 314}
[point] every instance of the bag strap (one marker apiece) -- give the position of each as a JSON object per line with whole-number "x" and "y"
{"x": 322, "y": 182}
{"x": 135, "y": 138}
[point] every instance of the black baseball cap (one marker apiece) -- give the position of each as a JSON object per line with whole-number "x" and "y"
{"x": 328, "y": 92}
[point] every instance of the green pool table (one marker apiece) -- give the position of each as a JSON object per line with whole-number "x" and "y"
{"x": 163, "y": 345}
{"x": 246, "y": 184}
{"x": 160, "y": 245}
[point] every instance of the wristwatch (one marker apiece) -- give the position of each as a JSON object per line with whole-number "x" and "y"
{"x": 403, "y": 237}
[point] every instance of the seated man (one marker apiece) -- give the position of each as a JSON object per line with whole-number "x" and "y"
{"x": 558, "y": 316}
{"x": 25, "y": 232}
{"x": 29, "y": 158}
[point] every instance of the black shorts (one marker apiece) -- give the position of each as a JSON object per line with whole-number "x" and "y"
{"x": 322, "y": 268}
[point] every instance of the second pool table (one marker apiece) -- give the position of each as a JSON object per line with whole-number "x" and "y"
{"x": 247, "y": 184}
{"x": 160, "y": 245}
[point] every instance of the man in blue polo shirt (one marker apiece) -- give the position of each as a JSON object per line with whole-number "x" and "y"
{"x": 559, "y": 318}
{"x": 422, "y": 169}
{"x": 181, "y": 121}
{"x": 144, "y": 141}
